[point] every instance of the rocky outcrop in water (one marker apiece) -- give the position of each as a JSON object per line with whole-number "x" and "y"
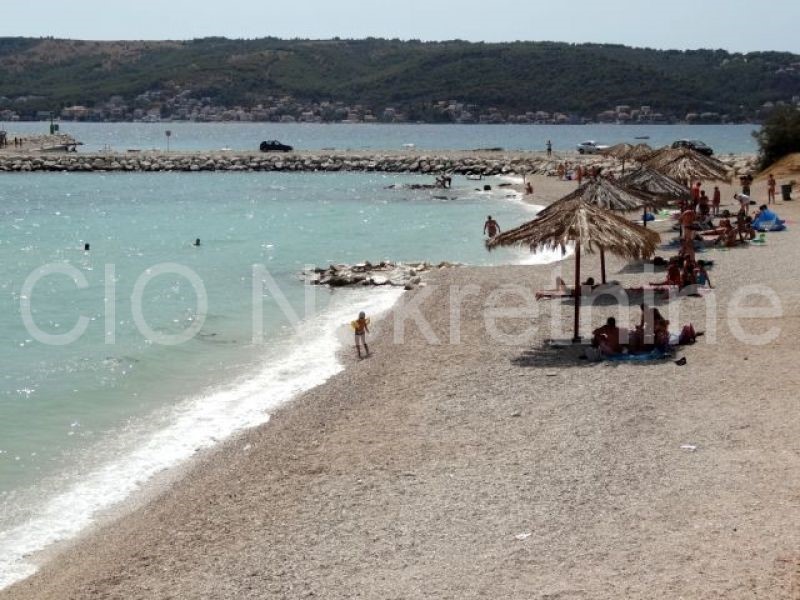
{"x": 405, "y": 275}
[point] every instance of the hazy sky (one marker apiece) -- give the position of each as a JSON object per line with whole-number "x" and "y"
{"x": 739, "y": 25}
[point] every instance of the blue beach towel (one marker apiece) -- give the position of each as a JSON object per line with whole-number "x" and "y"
{"x": 767, "y": 220}
{"x": 652, "y": 355}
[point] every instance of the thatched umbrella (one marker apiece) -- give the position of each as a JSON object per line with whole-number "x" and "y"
{"x": 656, "y": 184}
{"x": 605, "y": 193}
{"x": 575, "y": 221}
{"x": 609, "y": 195}
{"x": 685, "y": 164}
{"x": 640, "y": 152}
{"x": 625, "y": 151}
{"x": 618, "y": 150}
{"x": 658, "y": 154}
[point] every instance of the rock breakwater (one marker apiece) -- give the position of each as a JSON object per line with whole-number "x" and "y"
{"x": 456, "y": 163}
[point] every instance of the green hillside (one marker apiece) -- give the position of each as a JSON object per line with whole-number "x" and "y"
{"x": 513, "y": 77}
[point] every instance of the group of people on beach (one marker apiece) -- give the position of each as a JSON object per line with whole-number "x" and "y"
{"x": 567, "y": 173}
{"x": 650, "y": 334}
{"x": 697, "y": 214}
{"x": 684, "y": 272}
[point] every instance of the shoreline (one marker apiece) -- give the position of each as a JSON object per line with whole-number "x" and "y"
{"x": 155, "y": 482}
{"x": 186, "y": 438}
{"x": 368, "y": 463}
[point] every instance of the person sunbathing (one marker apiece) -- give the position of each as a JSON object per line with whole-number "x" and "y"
{"x": 728, "y": 236}
{"x": 673, "y": 275}
{"x": 653, "y": 328}
{"x": 687, "y": 275}
{"x": 723, "y": 227}
{"x": 701, "y": 277}
{"x": 744, "y": 229}
{"x": 564, "y": 291}
{"x": 608, "y": 338}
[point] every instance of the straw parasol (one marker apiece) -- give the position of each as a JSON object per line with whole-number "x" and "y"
{"x": 658, "y": 154}
{"x": 575, "y": 221}
{"x": 609, "y": 195}
{"x": 619, "y": 151}
{"x": 640, "y": 152}
{"x": 605, "y": 193}
{"x": 625, "y": 151}
{"x": 656, "y": 184}
{"x": 685, "y": 164}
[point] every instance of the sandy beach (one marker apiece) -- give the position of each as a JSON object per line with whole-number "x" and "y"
{"x": 485, "y": 465}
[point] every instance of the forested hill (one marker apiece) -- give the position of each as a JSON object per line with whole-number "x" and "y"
{"x": 411, "y": 76}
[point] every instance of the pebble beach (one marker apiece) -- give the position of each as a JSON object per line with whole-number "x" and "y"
{"x": 469, "y": 459}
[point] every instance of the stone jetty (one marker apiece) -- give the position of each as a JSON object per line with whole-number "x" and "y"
{"x": 395, "y": 274}
{"x": 476, "y": 163}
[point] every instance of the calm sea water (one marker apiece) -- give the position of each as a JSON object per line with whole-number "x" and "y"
{"x": 247, "y": 136}
{"x": 84, "y": 423}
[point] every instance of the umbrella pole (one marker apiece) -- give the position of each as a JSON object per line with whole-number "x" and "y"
{"x": 576, "y": 338}
{"x": 644, "y": 215}
{"x": 602, "y": 265}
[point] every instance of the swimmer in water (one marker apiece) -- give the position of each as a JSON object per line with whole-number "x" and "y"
{"x": 491, "y": 227}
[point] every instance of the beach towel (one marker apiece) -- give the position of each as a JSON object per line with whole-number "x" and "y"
{"x": 765, "y": 225}
{"x": 647, "y": 356}
{"x": 676, "y": 242}
{"x": 767, "y": 220}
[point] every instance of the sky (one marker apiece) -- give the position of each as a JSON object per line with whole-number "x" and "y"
{"x": 735, "y": 25}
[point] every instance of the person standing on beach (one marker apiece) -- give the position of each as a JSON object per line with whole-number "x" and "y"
{"x": 687, "y": 221}
{"x": 549, "y": 149}
{"x": 579, "y": 174}
{"x": 744, "y": 203}
{"x": 702, "y": 203}
{"x": 696, "y": 194}
{"x": 771, "y": 184}
{"x": 746, "y": 181}
{"x": 491, "y": 227}
{"x": 716, "y": 200}
{"x": 361, "y": 327}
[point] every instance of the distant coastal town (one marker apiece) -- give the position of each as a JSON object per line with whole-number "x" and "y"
{"x": 158, "y": 106}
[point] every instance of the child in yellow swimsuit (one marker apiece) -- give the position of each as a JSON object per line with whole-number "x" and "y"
{"x": 361, "y": 327}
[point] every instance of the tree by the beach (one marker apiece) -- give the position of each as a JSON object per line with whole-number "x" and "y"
{"x": 779, "y": 136}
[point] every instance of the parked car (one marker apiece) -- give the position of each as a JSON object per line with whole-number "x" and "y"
{"x": 590, "y": 147}
{"x": 274, "y": 146}
{"x": 695, "y": 145}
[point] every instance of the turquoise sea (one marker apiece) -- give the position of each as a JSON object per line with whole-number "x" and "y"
{"x": 94, "y": 399}
{"x": 84, "y": 423}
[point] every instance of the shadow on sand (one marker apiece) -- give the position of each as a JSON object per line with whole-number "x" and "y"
{"x": 549, "y": 356}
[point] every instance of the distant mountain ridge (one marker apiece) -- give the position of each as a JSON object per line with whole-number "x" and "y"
{"x": 409, "y": 77}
